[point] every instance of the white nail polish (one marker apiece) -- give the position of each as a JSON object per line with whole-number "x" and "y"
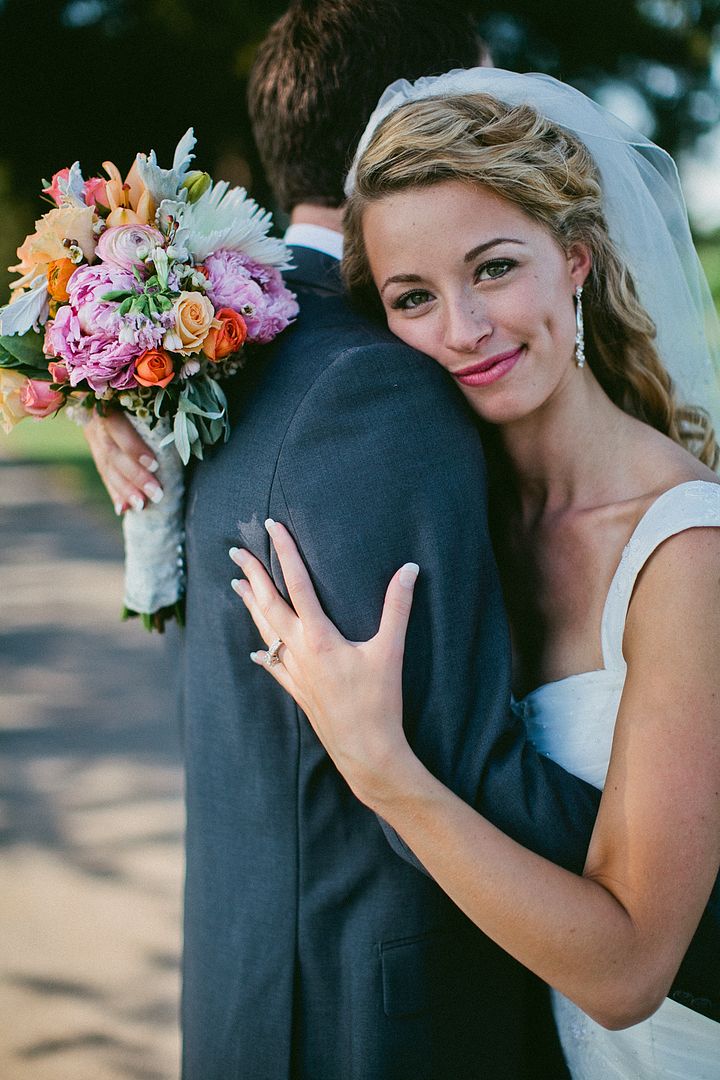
{"x": 149, "y": 463}
{"x": 118, "y": 506}
{"x": 269, "y": 525}
{"x": 233, "y": 552}
{"x": 137, "y": 502}
{"x": 408, "y": 574}
{"x": 153, "y": 491}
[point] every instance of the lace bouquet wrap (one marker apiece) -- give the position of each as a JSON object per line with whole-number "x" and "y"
{"x": 142, "y": 294}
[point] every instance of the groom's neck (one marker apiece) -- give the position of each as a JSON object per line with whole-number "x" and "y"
{"x": 329, "y": 217}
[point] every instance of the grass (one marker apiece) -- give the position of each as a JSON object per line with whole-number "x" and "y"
{"x": 60, "y": 444}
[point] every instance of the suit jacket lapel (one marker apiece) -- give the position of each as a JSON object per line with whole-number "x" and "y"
{"x": 314, "y": 270}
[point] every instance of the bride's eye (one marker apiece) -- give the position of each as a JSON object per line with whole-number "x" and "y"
{"x": 496, "y": 268}
{"x": 410, "y": 300}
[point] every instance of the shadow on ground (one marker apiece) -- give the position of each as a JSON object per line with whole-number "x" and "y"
{"x": 90, "y": 801}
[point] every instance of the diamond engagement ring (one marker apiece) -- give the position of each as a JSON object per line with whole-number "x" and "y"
{"x": 272, "y": 657}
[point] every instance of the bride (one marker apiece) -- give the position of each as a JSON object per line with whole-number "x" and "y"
{"x": 534, "y": 252}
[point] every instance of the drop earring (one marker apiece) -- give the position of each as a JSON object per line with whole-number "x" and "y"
{"x": 579, "y": 329}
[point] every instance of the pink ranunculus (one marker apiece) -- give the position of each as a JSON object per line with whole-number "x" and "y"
{"x": 94, "y": 192}
{"x": 127, "y": 245}
{"x": 39, "y": 400}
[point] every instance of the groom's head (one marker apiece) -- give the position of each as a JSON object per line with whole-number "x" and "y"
{"x": 320, "y": 71}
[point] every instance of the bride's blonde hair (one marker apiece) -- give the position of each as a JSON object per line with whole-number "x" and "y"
{"x": 550, "y": 174}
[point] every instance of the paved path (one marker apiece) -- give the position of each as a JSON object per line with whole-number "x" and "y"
{"x": 90, "y": 802}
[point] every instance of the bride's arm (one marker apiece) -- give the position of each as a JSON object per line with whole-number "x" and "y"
{"x": 612, "y": 939}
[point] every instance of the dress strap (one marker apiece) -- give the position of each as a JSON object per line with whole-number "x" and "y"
{"x": 687, "y": 506}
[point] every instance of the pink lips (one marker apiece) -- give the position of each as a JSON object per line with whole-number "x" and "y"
{"x": 488, "y": 371}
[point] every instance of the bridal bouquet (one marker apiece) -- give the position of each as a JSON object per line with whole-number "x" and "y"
{"x": 142, "y": 294}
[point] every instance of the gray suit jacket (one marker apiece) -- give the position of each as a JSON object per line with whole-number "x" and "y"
{"x": 312, "y": 950}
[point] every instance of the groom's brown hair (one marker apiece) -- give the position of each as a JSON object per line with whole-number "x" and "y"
{"x": 320, "y": 70}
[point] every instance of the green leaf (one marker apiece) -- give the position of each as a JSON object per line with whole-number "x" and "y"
{"x": 159, "y": 398}
{"x": 126, "y": 305}
{"x": 116, "y": 294}
{"x": 182, "y": 441}
{"x": 26, "y": 348}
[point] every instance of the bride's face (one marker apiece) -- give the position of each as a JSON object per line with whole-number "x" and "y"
{"x": 470, "y": 279}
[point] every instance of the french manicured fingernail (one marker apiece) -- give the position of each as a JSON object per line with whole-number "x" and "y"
{"x": 240, "y": 586}
{"x": 270, "y": 525}
{"x": 254, "y": 657}
{"x": 149, "y": 463}
{"x": 238, "y": 555}
{"x": 137, "y": 502}
{"x": 153, "y": 491}
{"x": 408, "y": 574}
{"x": 119, "y": 507}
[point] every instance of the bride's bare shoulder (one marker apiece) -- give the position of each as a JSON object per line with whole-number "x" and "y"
{"x": 662, "y": 463}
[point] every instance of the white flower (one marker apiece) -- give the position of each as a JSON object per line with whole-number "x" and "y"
{"x": 189, "y": 368}
{"x": 127, "y": 334}
{"x": 230, "y": 220}
{"x": 160, "y": 262}
{"x": 172, "y": 341}
{"x": 178, "y": 253}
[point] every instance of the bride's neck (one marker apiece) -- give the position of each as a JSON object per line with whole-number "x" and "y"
{"x": 566, "y": 452}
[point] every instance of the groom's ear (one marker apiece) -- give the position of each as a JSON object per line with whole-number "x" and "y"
{"x": 579, "y": 262}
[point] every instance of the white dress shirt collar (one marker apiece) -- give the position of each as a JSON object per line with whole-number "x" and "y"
{"x": 317, "y": 237}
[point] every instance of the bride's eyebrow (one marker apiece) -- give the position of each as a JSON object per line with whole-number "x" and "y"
{"x": 473, "y": 254}
{"x": 401, "y": 278}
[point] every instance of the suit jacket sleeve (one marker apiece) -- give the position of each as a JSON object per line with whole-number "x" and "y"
{"x": 381, "y": 465}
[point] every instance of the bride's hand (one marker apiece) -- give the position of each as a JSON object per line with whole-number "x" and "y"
{"x": 351, "y": 691}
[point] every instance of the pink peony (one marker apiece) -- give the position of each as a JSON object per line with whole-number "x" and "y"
{"x": 85, "y": 334}
{"x": 39, "y": 400}
{"x": 257, "y": 292}
{"x": 127, "y": 245}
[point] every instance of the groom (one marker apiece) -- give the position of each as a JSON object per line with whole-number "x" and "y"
{"x": 314, "y": 950}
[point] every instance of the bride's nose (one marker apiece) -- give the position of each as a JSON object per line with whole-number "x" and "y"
{"x": 466, "y": 325}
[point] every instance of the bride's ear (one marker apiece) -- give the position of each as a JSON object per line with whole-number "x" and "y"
{"x": 579, "y": 262}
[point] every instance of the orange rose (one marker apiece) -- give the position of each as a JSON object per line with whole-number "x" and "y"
{"x": 58, "y": 275}
{"x": 154, "y": 368}
{"x": 228, "y": 338}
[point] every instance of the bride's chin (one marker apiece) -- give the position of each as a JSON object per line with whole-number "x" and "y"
{"x": 503, "y": 410}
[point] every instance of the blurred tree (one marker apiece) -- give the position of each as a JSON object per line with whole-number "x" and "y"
{"x": 651, "y": 58}
{"x": 93, "y": 79}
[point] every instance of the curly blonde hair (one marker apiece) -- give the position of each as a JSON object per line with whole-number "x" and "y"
{"x": 550, "y": 174}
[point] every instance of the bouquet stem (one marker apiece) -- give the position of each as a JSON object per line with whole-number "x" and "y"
{"x": 155, "y": 539}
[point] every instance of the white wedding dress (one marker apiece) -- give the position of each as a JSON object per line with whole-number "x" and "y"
{"x": 572, "y": 721}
